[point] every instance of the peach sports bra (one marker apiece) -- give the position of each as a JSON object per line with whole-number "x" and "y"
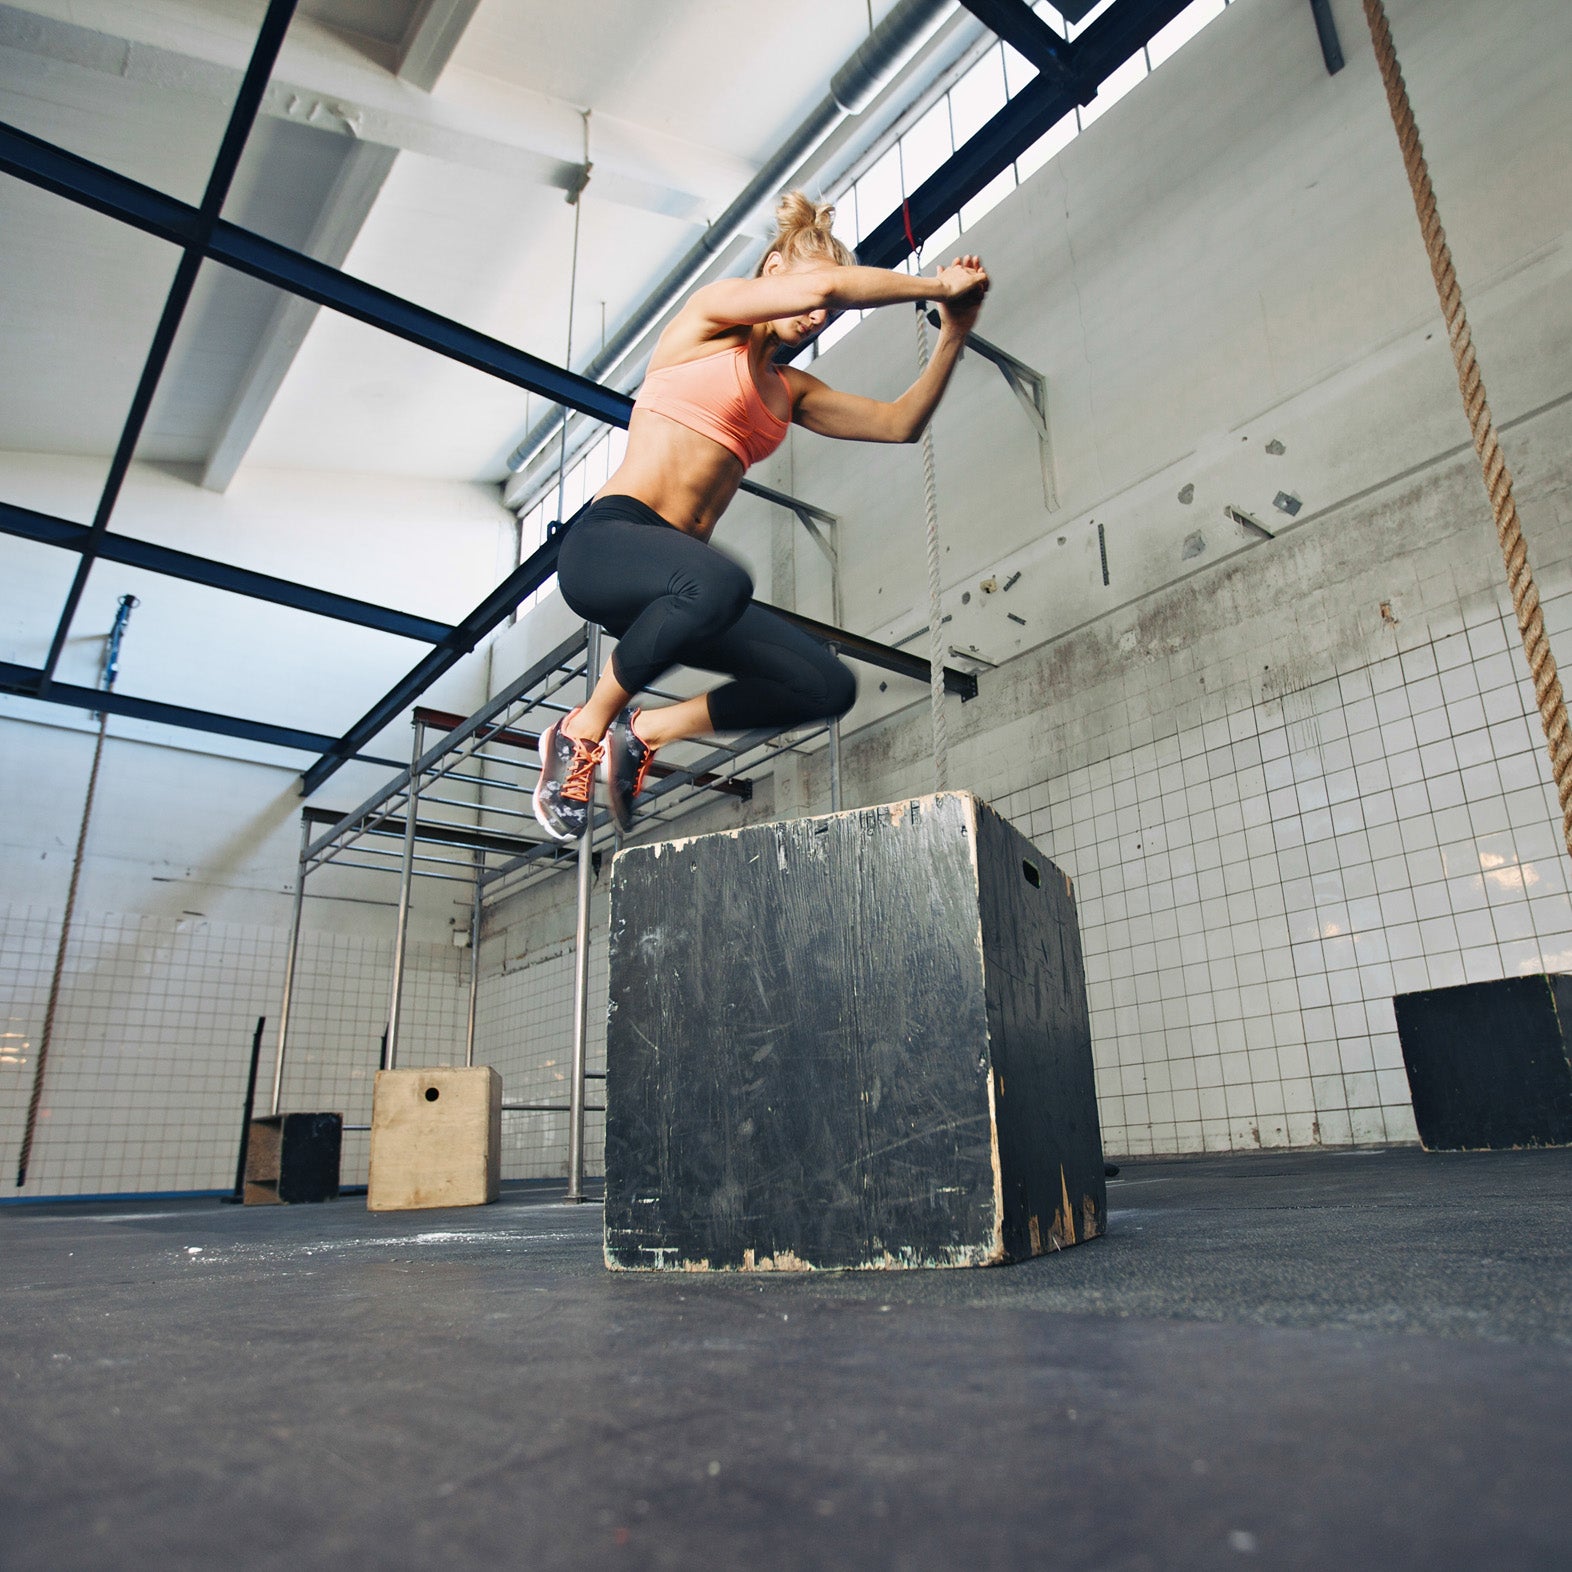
{"x": 715, "y": 396}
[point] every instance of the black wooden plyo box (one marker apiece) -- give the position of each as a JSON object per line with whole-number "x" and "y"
{"x": 1490, "y": 1064}
{"x": 293, "y": 1158}
{"x": 859, "y": 1040}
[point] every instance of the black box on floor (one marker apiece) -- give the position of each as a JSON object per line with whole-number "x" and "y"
{"x": 293, "y": 1157}
{"x": 856, "y": 1040}
{"x": 1490, "y": 1064}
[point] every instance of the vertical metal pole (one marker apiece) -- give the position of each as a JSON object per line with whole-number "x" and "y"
{"x": 245, "y": 1117}
{"x": 289, "y": 968}
{"x": 406, "y": 884}
{"x": 837, "y": 614}
{"x": 474, "y": 961}
{"x": 581, "y": 960}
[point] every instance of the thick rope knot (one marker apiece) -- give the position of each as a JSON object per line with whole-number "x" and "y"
{"x": 1493, "y": 465}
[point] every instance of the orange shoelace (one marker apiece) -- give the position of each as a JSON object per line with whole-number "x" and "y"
{"x": 644, "y": 769}
{"x": 645, "y": 762}
{"x": 576, "y": 788}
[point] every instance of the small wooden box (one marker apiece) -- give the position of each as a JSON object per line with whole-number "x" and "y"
{"x": 293, "y": 1157}
{"x": 436, "y": 1138}
{"x": 859, "y": 1040}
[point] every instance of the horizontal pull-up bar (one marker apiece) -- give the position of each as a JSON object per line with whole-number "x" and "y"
{"x": 428, "y": 830}
{"x": 530, "y": 741}
{"x": 523, "y": 581}
{"x": 885, "y": 656}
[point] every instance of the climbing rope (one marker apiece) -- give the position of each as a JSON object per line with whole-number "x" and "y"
{"x": 47, "y": 1035}
{"x": 1498, "y": 480}
{"x": 930, "y": 493}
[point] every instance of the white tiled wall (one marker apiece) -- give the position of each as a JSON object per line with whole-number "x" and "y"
{"x": 524, "y": 1027}
{"x": 1255, "y": 884}
{"x": 147, "y": 1069}
{"x": 146, "y": 1078}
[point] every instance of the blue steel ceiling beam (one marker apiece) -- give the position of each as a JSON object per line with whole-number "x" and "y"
{"x": 22, "y": 682}
{"x": 302, "y": 275}
{"x": 524, "y": 580}
{"x": 115, "y": 196}
{"x": 248, "y": 100}
{"x": 1024, "y": 31}
{"x": 133, "y": 553}
{"x": 1099, "y": 51}
{"x": 91, "y": 185}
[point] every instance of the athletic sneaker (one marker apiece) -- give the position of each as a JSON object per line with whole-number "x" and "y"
{"x": 564, "y": 792}
{"x": 628, "y": 767}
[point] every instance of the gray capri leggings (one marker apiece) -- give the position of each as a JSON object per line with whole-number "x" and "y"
{"x": 672, "y": 600}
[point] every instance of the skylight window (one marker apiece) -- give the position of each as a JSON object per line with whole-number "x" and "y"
{"x": 996, "y": 77}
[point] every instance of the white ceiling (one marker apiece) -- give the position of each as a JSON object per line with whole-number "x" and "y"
{"x": 422, "y": 144}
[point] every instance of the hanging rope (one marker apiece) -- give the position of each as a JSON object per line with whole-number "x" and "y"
{"x": 47, "y": 1035}
{"x": 1498, "y": 480}
{"x": 930, "y": 497}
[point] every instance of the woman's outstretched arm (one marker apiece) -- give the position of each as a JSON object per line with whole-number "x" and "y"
{"x": 739, "y": 302}
{"x": 831, "y": 413}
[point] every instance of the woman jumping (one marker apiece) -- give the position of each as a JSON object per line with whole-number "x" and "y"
{"x": 637, "y": 560}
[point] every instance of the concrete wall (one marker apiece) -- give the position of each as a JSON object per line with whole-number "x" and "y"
{"x": 1289, "y": 777}
{"x": 1279, "y": 803}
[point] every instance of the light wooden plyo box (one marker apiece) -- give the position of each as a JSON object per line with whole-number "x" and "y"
{"x": 436, "y": 1138}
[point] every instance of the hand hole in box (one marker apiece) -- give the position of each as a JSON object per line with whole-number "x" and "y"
{"x": 432, "y": 1094}
{"x": 1033, "y": 877}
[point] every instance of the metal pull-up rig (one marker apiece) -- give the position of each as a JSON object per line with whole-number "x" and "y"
{"x": 460, "y": 813}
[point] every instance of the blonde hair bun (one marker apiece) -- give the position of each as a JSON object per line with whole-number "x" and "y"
{"x": 803, "y": 232}
{"x": 796, "y": 210}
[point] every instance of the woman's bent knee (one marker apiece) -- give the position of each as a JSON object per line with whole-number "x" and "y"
{"x": 840, "y": 691}
{"x": 712, "y": 601}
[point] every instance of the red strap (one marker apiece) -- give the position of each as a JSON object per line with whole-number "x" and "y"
{"x": 906, "y": 219}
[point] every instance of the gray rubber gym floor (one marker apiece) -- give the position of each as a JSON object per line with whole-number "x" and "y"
{"x": 1359, "y": 1359}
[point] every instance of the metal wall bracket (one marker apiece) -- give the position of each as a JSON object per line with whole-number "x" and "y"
{"x": 1030, "y": 388}
{"x": 822, "y": 527}
{"x": 1326, "y": 31}
{"x": 824, "y": 531}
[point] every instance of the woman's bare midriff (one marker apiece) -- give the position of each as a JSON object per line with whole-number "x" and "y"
{"x": 686, "y": 478}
